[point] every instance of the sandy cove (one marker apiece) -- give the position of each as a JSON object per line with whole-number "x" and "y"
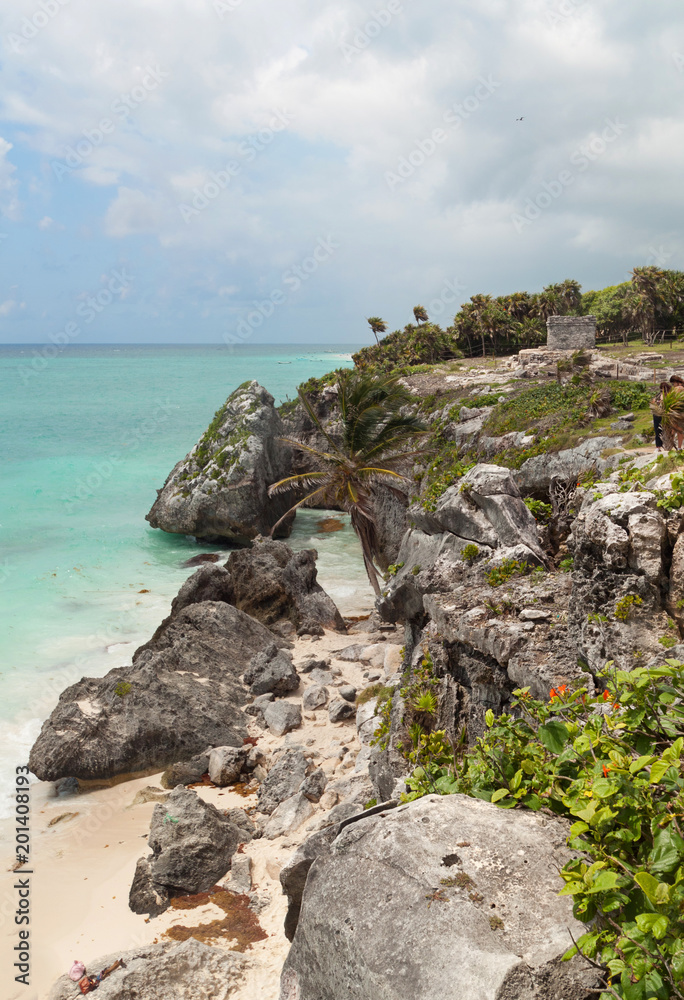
{"x": 84, "y": 863}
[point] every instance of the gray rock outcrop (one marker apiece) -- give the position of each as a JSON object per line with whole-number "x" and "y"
{"x": 219, "y": 491}
{"x": 271, "y": 672}
{"x": 168, "y": 971}
{"x": 270, "y": 582}
{"x": 282, "y": 716}
{"x": 442, "y": 897}
{"x": 192, "y": 844}
{"x": 282, "y": 781}
{"x": 181, "y": 695}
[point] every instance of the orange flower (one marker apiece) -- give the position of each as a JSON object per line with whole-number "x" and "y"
{"x": 552, "y": 694}
{"x": 606, "y": 695}
{"x": 605, "y": 771}
{"x": 562, "y": 689}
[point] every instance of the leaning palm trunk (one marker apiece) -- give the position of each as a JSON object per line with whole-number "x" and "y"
{"x": 345, "y": 476}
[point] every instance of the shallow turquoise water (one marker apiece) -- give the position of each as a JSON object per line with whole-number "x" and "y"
{"x": 84, "y": 444}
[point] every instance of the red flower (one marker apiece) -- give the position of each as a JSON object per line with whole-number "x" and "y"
{"x": 606, "y": 695}
{"x": 605, "y": 771}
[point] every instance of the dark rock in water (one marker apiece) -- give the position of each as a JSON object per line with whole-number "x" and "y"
{"x": 282, "y": 781}
{"x": 168, "y": 971}
{"x": 458, "y": 895}
{"x": 181, "y": 695}
{"x": 271, "y": 582}
{"x": 192, "y": 844}
{"x": 219, "y": 492}
{"x": 204, "y": 557}
{"x": 271, "y": 672}
{"x": 186, "y": 772}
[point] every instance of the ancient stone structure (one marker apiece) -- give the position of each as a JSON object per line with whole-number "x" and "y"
{"x": 571, "y": 333}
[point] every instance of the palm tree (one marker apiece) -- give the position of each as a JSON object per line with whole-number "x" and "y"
{"x": 646, "y": 297}
{"x": 420, "y": 313}
{"x": 377, "y": 325}
{"x": 346, "y": 476}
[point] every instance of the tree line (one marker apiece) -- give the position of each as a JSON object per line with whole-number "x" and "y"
{"x": 650, "y": 302}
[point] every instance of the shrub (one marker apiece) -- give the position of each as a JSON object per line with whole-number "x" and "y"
{"x": 612, "y": 763}
{"x": 470, "y": 554}
{"x": 625, "y": 605}
{"x": 566, "y": 565}
{"x": 498, "y": 575}
{"x": 540, "y": 511}
{"x": 122, "y": 689}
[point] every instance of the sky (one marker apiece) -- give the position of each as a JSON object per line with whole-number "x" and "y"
{"x": 273, "y": 171}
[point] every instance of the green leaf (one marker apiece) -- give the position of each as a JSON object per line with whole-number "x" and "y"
{"x": 668, "y": 848}
{"x": 516, "y": 781}
{"x": 603, "y": 788}
{"x": 446, "y": 785}
{"x": 658, "y": 770}
{"x": 577, "y": 828}
{"x": 642, "y": 762}
{"x": 654, "y": 923}
{"x": 604, "y": 881}
{"x": 573, "y": 889}
{"x": 489, "y": 717}
{"x": 499, "y": 794}
{"x": 554, "y": 735}
{"x": 650, "y": 885}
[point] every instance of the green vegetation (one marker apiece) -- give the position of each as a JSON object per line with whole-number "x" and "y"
{"x": 379, "y": 691}
{"x": 611, "y": 763}
{"x": 393, "y": 569}
{"x": 540, "y": 511}
{"x": 498, "y": 575}
{"x": 566, "y": 565}
{"x": 624, "y": 606}
{"x": 374, "y": 430}
{"x": 122, "y": 689}
{"x": 470, "y": 553}
{"x": 675, "y": 499}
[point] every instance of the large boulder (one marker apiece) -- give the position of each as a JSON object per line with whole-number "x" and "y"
{"x": 192, "y": 845}
{"x": 282, "y": 781}
{"x": 180, "y": 696}
{"x": 447, "y": 896}
{"x": 167, "y": 971}
{"x": 270, "y": 582}
{"x": 219, "y": 491}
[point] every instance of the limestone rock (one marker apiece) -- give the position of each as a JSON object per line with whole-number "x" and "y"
{"x": 219, "y": 491}
{"x": 168, "y": 971}
{"x": 192, "y": 844}
{"x": 181, "y": 695}
{"x": 282, "y": 716}
{"x": 271, "y": 671}
{"x": 339, "y": 710}
{"x": 313, "y": 663}
{"x": 289, "y": 816}
{"x": 315, "y": 696}
{"x": 226, "y": 764}
{"x": 314, "y": 786}
{"x": 347, "y": 692}
{"x": 186, "y": 772}
{"x": 294, "y": 874}
{"x": 271, "y": 583}
{"x": 283, "y": 780}
{"x": 364, "y": 909}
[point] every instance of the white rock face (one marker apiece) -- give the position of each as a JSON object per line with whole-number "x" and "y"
{"x": 371, "y": 926}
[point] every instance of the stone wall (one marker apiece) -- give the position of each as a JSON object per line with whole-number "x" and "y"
{"x": 570, "y": 333}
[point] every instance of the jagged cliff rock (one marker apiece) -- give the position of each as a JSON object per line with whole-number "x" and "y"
{"x": 448, "y": 896}
{"x": 181, "y": 695}
{"x": 219, "y": 491}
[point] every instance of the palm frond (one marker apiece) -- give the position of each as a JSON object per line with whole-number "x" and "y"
{"x": 303, "y": 480}
{"x": 294, "y": 507}
{"x": 306, "y": 403}
{"x": 323, "y": 455}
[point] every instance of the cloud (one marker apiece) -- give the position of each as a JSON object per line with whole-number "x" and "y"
{"x": 157, "y": 99}
{"x": 7, "y": 307}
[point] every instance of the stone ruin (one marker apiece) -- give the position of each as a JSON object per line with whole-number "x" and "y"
{"x": 571, "y": 333}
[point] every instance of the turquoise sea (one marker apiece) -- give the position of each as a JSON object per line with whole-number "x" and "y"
{"x": 85, "y": 440}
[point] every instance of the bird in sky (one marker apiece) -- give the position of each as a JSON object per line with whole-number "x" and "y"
{"x": 520, "y": 119}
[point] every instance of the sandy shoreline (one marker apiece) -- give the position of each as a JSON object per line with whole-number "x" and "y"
{"x": 83, "y": 863}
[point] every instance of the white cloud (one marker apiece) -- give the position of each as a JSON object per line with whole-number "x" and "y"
{"x": 7, "y": 307}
